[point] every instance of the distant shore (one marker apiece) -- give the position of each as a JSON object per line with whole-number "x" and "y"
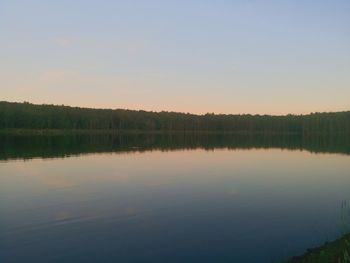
{"x": 29, "y": 118}
{"x": 33, "y": 132}
{"x": 108, "y": 131}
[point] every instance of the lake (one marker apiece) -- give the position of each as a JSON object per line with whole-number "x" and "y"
{"x": 169, "y": 198}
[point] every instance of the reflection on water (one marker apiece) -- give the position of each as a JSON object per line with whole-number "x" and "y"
{"x": 12, "y": 146}
{"x": 223, "y": 205}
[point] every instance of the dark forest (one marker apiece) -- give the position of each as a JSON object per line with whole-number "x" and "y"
{"x": 41, "y": 117}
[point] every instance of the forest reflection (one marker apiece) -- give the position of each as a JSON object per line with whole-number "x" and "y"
{"x": 50, "y": 146}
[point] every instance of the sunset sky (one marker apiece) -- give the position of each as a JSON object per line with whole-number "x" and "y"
{"x": 198, "y": 56}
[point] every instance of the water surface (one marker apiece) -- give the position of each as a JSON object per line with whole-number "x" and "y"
{"x": 169, "y": 199}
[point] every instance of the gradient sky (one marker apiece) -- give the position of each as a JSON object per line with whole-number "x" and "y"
{"x": 243, "y": 56}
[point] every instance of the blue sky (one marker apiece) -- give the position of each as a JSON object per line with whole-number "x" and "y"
{"x": 276, "y": 57}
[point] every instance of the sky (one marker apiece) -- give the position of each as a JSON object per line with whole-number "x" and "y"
{"x": 198, "y": 56}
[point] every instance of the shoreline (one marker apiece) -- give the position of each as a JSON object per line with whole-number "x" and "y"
{"x": 19, "y": 131}
{"x": 337, "y": 251}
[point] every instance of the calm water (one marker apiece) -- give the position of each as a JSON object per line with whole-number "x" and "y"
{"x": 139, "y": 198}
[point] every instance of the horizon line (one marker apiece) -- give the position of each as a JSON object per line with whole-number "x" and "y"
{"x": 167, "y": 111}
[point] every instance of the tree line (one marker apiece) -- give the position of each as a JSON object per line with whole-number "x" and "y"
{"x": 31, "y": 116}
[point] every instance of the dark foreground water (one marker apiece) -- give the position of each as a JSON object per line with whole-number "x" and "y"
{"x": 143, "y": 198}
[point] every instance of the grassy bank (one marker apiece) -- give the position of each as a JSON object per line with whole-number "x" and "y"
{"x": 337, "y": 251}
